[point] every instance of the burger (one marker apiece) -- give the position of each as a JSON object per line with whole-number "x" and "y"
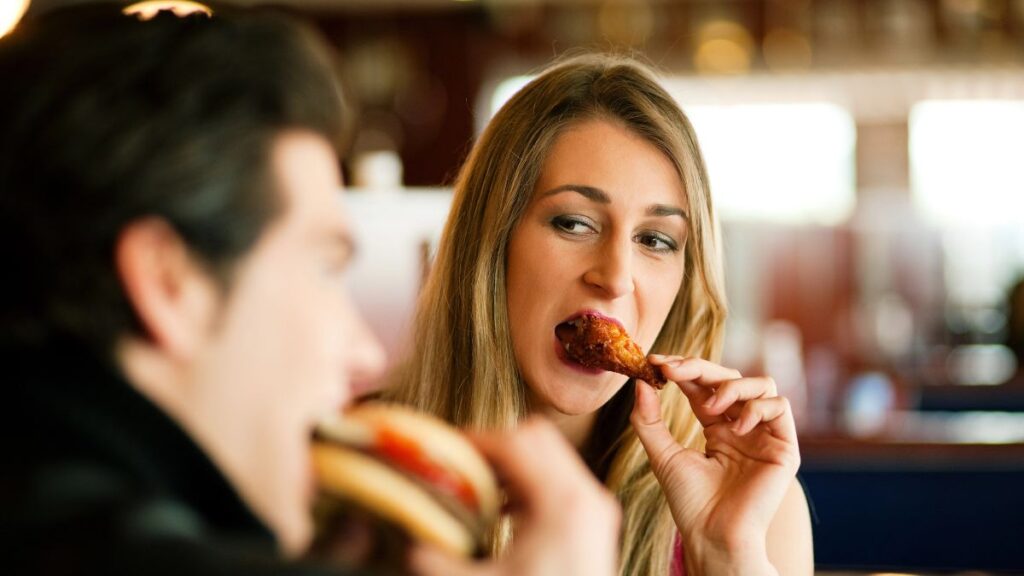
{"x": 388, "y": 476}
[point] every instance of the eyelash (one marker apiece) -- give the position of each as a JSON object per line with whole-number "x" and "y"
{"x": 670, "y": 245}
{"x": 565, "y": 223}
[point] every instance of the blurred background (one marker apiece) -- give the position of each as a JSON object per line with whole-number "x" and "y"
{"x": 867, "y": 161}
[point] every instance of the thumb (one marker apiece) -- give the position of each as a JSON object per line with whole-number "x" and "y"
{"x": 657, "y": 441}
{"x": 428, "y": 561}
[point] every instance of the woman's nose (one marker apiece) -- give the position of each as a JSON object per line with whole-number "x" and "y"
{"x": 611, "y": 271}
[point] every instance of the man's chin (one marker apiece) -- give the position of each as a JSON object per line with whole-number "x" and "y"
{"x": 295, "y": 537}
{"x": 291, "y": 519}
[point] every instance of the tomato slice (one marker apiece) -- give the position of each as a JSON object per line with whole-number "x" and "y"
{"x": 407, "y": 455}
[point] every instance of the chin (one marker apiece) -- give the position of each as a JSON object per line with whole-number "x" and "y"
{"x": 580, "y": 399}
{"x": 577, "y": 408}
{"x": 295, "y": 534}
{"x": 291, "y": 518}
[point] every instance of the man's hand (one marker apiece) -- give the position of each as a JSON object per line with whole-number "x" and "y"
{"x": 565, "y": 523}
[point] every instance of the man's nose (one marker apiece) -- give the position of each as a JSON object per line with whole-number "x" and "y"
{"x": 365, "y": 359}
{"x": 611, "y": 270}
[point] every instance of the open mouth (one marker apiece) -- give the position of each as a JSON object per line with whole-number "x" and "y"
{"x": 597, "y": 343}
{"x": 567, "y": 337}
{"x": 563, "y": 355}
{"x": 573, "y": 327}
{"x": 566, "y": 331}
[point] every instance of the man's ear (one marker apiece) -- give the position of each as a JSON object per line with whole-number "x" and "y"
{"x": 172, "y": 295}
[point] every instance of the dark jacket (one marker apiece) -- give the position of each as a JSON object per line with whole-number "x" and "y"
{"x": 99, "y": 481}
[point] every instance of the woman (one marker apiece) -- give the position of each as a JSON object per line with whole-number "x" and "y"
{"x": 587, "y": 193}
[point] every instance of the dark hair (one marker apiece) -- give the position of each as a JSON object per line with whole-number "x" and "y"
{"x": 105, "y": 119}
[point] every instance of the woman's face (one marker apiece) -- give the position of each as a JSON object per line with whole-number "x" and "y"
{"x": 604, "y": 232}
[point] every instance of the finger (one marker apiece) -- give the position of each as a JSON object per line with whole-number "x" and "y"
{"x": 697, "y": 396}
{"x": 657, "y": 441}
{"x": 697, "y": 370}
{"x": 775, "y": 413}
{"x": 697, "y": 379}
{"x": 729, "y": 393}
{"x": 427, "y": 561}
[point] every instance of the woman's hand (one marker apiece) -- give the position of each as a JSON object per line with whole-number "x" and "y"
{"x": 722, "y": 500}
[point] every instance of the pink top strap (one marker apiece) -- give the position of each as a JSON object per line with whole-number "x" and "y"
{"x": 678, "y": 566}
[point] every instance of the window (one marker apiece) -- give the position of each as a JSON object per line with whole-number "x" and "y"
{"x": 782, "y": 162}
{"x": 965, "y": 161}
{"x": 792, "y": 162}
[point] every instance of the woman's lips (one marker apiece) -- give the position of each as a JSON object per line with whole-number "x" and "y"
{"x": 591, "y": 312}
{"x": 564, "y": 358}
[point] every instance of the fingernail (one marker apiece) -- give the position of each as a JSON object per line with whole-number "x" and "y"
{"x": 710, "y": 401}
{"x": 657, "y": 358}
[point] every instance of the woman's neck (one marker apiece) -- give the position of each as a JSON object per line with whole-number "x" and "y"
{"x": 575, "y": 428}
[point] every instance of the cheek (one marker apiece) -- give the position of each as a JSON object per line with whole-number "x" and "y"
{"x": 302, "y": 338}
{"x": 322, "y": 326}
{"x": 528, "y": 285}
{"x": 520, "y": 267}
{"x": 659, "y": 294}
{"x": 540, "y": 267}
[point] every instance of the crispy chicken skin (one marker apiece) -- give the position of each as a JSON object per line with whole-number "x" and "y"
{"x": 597, "y": 342}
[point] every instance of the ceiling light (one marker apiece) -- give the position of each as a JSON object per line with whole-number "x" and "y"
{"x": 149, "y": 8}
{"x": 10, "y": 14}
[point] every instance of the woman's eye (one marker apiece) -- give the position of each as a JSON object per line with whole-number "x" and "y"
{"x": 657, "y": 242}
{"x": 571, "y": 224}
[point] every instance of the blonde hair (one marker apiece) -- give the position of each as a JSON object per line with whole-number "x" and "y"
{"x": 462, "y": 367}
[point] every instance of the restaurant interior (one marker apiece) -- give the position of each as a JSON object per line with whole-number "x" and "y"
{"x": 866, "y": 159}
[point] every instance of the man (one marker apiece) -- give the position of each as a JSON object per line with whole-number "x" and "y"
{"x": 176, "y": 319}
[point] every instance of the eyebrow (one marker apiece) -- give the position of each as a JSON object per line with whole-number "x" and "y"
{"x": 589, "y": 192}
{"x": 667, "y": 210}
{"x": 601, "y": 197}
